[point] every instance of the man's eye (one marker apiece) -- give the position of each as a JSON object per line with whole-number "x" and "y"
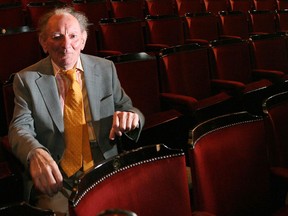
{"x": 56, "y": 36}
{"x": 73, "y": 36}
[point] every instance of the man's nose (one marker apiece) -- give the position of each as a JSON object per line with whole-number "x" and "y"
{"x": 66, "y": 43}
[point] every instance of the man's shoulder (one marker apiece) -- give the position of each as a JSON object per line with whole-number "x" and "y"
{"x": 38, "y": 66}
{"x": 94, "y": 59}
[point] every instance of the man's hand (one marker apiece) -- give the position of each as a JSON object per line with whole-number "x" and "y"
{"x": 45, "y": 173}
{"x": 123, "y": 122}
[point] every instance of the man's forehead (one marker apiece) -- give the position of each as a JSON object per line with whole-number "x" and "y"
{"x": 67, "y": 21}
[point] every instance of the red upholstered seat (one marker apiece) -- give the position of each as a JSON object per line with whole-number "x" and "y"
{"x": 37, "y": 9}
{"x": 282, "y": 20}
{"x": 201, "y": 27}
{"x": 282, "y": 4}
{"x": 265, "y": 5}
{"x": 128, "y": 8}
{"x": 138, "y": 74}
{"x": 124, "y": 35}
{"x": 165, "y": 30}
{"x": 95, "y": 10}
{"x": 185, "y": 78}
{"x": 19, "y": 43}
{"x": 231, "y": 61}
{"x": 160, "y": 7}
{"x": 215, "y": 6}
{"x": 269, "y": 51}
{"x": 263, "y": 21}
{"x": 189, "y": 6}
{"x": 241, "y": 5}
{"x": 148, "y": 181}
{"x": 275, "y": 109}
{"x": 230, "y": 167}
{"x": 11, "y": 15}
{"x": 234, "y": 23}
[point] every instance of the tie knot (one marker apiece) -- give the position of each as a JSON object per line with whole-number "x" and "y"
{"x": 71, "y": 74}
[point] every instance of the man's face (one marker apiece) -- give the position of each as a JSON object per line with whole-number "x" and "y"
{"x": 63, "y": 40}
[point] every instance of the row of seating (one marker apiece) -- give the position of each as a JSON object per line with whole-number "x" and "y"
{"x": 128, "y": 35}
{"x": 238, "y": 164}
{"x": 140, "y": 8}
{"x": 12, "y": 14}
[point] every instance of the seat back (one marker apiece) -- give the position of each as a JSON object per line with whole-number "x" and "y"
{"x": 160, "y": 7}
{"x": 262, "y": 21}
{"x": 282, "y": 4}
{"x": 265, "y": 5}
{"x": 189, "y": 6}
{"x": 141, "y": 84}
{"x": 269, "y": 51}
{"x": 229, "y": 165}
{"x": 276, "y": 110}
{"x": 166, "y": 30}
{"x": 122, "y": 34}
{"x": 95, "y": 10}
{"x": 11, "y": 15}
{"x": 184, "y": 70}
{"x": 37, "y": 9}
{"x": 201, "y": 26}
{"x": 21, "y": 44}
{"x": 231, "y": 60}
{"x": 282, "y": 20}
{"x": 214, "y": 6}
{"x": 148, "y": 181}
{"x": 128, "y": 8}
{"x": 234, "y": 23}
{"x": 241, "y": 5}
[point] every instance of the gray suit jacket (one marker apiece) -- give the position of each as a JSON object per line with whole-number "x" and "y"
{"x": 37, "y": 120}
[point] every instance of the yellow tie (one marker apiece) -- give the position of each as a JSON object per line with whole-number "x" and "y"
{"x": 77, "y": 152}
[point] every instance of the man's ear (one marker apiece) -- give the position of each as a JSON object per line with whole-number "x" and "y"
{"x": 84, "y": 39}
{"x": 42, "y": 42}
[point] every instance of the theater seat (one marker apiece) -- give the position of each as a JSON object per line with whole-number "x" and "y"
{"x": 262, "y": 21}
{"x": 189, "y": 6}
{"x": 19, "y": 43}
{"x": 276, "y": 114}
{"x": 230, "y": 167}
{"x": 95, "y": 10}
{"x": 164, "y": 30}
{"x": 128, "y": 8}
{"x": 11, "y": 15}
{"x": 231, "y": 61}
{"x": 265, "y": 5}
{"x": 148, "y": 181}
{"x": 214, "y": 6}
{"x": 201, "y": 27}
{"x": 138, "y": 74}
{"x": 241, "y": 5}
{"x": 37, "y": 9}
{"x": 269, "y": 51}
{"x": 282, "y": 4}
{"x": 123, "y": 35}
{"x": 234, "y": 23}
{"x": 160, "y": 7}
{"x": 282, "y": 20}
{"x": 185, "y": 81}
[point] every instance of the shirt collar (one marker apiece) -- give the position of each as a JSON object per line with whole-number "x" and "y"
{"x": 57, "y": 69}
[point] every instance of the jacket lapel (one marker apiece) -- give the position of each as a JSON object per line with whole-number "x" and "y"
{"x": 49, "y": 91}
{"x": 92, "y": 80}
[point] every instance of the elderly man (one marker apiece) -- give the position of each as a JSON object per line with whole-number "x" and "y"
{"x": 40, "y": 134}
